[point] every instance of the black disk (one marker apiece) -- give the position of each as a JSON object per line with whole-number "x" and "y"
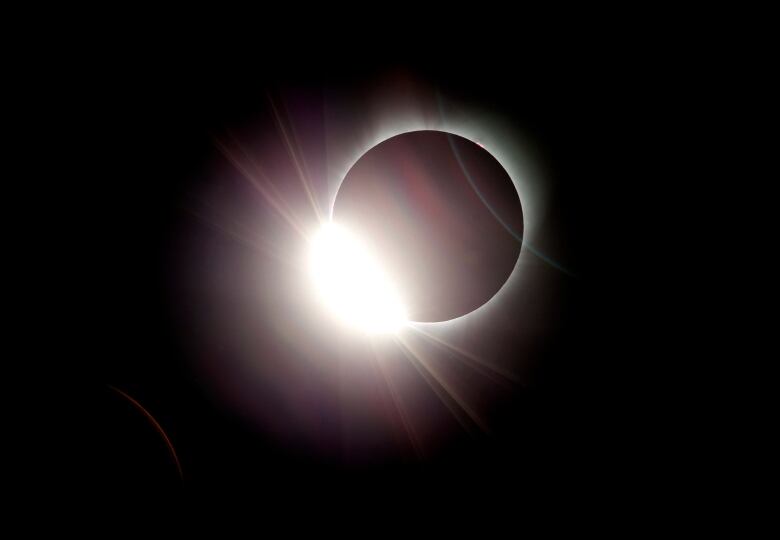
{"x": 442, "y": 215}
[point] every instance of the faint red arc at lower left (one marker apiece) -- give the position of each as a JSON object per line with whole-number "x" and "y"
{"x": 155, "y": 423}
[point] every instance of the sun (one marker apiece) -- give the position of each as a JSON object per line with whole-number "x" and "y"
{"x": 351, "y": 283}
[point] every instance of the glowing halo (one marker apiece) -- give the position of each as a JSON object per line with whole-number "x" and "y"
{"x": 266, "y": 345}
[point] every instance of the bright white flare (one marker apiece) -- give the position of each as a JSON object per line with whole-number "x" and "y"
{"x": 351, "y": 283}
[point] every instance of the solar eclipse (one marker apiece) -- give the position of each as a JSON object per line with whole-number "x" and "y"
{"x": 443, "y": 220}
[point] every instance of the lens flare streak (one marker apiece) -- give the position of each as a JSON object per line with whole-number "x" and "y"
{"x": 448, "y": 396}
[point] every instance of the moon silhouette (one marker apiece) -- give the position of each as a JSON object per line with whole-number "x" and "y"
{"x": 443, "y": 216}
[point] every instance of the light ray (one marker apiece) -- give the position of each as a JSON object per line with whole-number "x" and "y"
{"x": 301, "y": 174}
{"x": 261, "y": 246}
{"x": 442, "y": 389}
{"x": 398, "y": 404}
{"x": 470, "y": 359}
{"x": 265, "y": 188}
{"x": 302, "y": 155}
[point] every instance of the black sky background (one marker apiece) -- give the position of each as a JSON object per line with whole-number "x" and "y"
{"x": 139, "y": 126}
